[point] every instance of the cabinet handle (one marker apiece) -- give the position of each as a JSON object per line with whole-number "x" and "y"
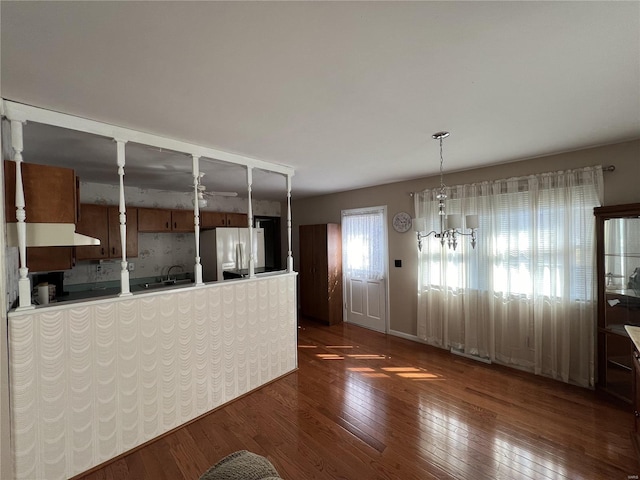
{"x": 113, "y": 250}
{"x": 102, "y": 251}
{"x": 167, "y": 225}
{"x": 636, "y": 413}
{"x": 175, "y": 224}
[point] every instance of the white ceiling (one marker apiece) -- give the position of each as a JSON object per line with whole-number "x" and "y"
{"x": 347, "y": 93}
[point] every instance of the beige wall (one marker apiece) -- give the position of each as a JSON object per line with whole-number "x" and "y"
{"x": 621, "y": 186}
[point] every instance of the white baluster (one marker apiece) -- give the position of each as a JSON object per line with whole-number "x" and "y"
{"x": 289, "y": 253}
{"x": 24, "y": 284}
{"x": 197, "y": 269}
{"x": 250, "y": 222}
{"x": 124, "y": 270}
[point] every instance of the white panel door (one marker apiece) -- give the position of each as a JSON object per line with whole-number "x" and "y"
{"x": 365, "y": 303}
{"x": 364, "y": 250}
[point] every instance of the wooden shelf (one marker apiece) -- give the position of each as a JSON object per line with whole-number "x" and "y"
{"x": 622, "y": 361}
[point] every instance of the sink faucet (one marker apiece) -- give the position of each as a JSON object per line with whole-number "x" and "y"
{"x": 169, "y": 271}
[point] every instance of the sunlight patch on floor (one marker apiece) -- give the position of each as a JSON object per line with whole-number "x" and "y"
{"x": 330, "y": 356}
{"x": 409, "y": 373}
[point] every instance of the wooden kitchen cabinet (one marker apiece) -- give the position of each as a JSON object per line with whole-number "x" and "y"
{"x": 51, "y": 195}
{"x": 157, "y": 220}
{"x": 321, "y": 272}
{"x": 94, "y": 223}
{"x": 182, "y": 221}
{"x": 236, "y": 220}
{"x": 223, "y": 219}
{"x": 115, "y": 245}
{"x": 154, "y": 220}
{"x": 103, "y": 222}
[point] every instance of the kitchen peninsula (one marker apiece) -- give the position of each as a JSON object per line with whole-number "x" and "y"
{"x": 91, "y": 379}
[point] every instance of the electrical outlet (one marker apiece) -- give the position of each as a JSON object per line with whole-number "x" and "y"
{"x": 98, "y": 268}
{"x": 131, "y": 266}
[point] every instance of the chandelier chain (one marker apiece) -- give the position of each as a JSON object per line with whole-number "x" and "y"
{"x": 442, "y": 186}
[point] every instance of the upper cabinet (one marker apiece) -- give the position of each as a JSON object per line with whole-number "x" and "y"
{"x": 222, "y": 219}
{"x": 50, "y": 195}
{"x": 157, "y": 220}
{"x": 103, "y": 222}
{"x": 115, "y": 244}
{"x": 182, "y": 221}
{"x": 618, "y": 269}
{"x": 154, "y": 220}
{"x": 163, "y": 220}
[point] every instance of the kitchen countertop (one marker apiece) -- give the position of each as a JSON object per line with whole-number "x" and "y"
{"x": 75, "y": 293}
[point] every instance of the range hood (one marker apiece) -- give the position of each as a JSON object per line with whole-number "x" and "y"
{"x": 50, "y": 235}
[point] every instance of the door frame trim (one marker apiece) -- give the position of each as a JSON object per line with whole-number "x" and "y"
{"x": 385, "y": 230}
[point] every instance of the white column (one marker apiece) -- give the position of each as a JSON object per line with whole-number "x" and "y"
{"x": 289, "y": 254}
{"x": 24, "y": 285}
{"x": 252, "y": 272}
{"x": 124, "y": 270}
{"x": 197, "y": 269}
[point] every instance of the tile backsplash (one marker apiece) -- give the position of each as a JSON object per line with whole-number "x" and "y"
{"x": 156, "y": 253}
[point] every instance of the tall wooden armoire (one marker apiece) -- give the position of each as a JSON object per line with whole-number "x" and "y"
{"x": 321, "y": 272}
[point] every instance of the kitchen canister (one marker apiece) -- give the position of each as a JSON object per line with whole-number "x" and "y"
{"x": 43, "y": 293}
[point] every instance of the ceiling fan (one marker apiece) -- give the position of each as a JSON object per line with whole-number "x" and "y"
{"x": 203, "y": 194}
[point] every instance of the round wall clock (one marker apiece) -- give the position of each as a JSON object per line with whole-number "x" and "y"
{"x": 401, "y": 222}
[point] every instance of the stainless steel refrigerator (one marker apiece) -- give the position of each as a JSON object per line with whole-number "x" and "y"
{"x": 226, "y": 249}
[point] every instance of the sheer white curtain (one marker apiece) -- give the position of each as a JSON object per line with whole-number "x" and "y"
{"x": 362, "y": 243}
{"x": 526, "y": 295}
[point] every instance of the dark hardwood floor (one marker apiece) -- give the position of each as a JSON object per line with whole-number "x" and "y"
{"x": 368, "y": 406}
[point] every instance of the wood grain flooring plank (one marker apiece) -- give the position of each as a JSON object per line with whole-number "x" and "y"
{"x": 368, "y": 406}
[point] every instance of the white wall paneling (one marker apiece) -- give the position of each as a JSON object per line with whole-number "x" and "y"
{"x": 92, "y": 380}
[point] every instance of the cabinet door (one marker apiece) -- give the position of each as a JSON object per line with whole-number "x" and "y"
{"x": 320, "y": 269}
{"x": 94, "y": 223}
{"x": 115, "y": 248}
{"x": 212, "y": 219}
{"x": 49, "y": 192}
{"x": 618, "y": 250}
{"x": 237, "y": 220}
{"x": 49, "y": 259}
{"x": 313, "y": 271}
{"x": 182, "y": 221}
{"x": 306, "y": 270}
{"x": 154, "y": 220}
{"x": 334, "y": 273}
{"x": 50, "y": 197}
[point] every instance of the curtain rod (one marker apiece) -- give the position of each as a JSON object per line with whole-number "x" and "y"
{"x": 608, "y": 168}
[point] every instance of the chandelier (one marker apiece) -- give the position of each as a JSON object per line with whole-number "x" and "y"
{"x": 451, "y": 226}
